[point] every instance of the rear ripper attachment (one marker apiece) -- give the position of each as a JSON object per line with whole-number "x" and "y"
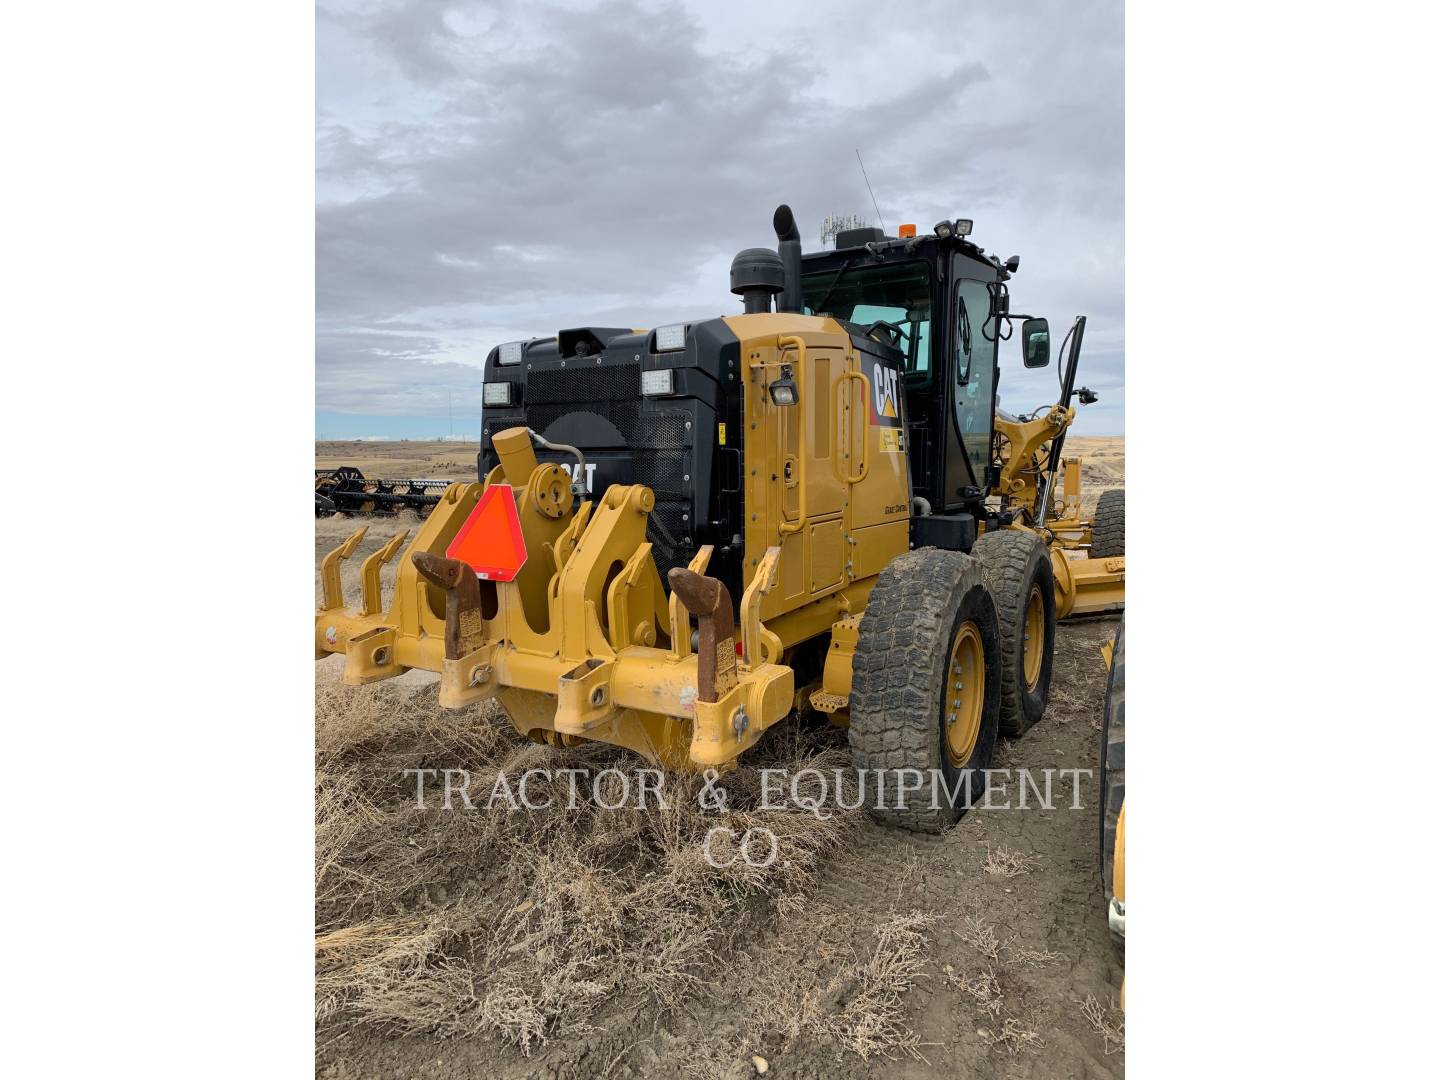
{"x": 572, "y": 633}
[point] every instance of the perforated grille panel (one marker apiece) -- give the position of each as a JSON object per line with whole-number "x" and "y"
{"x": 611, "y": 390}
{"x": 657, "y": 439}
{"x": 662, "y": 462}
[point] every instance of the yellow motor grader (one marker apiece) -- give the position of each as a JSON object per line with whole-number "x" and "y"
{"x": 831, "y": 456}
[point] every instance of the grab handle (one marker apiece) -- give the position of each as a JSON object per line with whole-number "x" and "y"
{"x": 802, "y": 389}
{"x": 864, "y": 451}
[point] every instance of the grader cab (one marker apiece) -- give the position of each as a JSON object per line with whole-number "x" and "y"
{"x": 832, "y": 457}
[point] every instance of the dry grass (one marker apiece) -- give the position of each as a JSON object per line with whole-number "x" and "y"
{"x": 1014, "y": 1035}
{"x": 998, "y": 1024}
{"x": 983, "y": 986}
{"x": 518, "y": 924}
{"x": 873, "y": 1021}
{"x": 1108, "y": 1022}
{"x": 1029, "y": 957}
{"x": 804, "y": 986}
{"x": 1002, "y": 862}
{"x": 980, "y": 935}
{"x": 395, "y": 459}
{"x": 1074, "y": 693}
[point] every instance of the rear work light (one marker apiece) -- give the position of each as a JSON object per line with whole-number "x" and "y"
{"x": 510, "y": 352}
{"x": 782, "y": 390}
{"x": 499, "y": 393}
{"x": 657, "y": 382}
{"x": 670, "y": 338}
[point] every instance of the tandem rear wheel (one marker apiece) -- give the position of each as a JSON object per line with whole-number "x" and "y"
{"x": 926, "y": 688}
{"x": 1017, "y": 569}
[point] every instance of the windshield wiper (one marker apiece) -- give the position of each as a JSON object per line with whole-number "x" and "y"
{"x": 819, "y": 307}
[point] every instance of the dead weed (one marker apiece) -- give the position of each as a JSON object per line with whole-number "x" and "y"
{"x": 1002, "y": 862}
{"x": 1107, "y": 1020}
{"x": 1013, "y": 1035}
{"x": 518, "y": 923}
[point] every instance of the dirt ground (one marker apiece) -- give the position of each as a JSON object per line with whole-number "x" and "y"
{"x": 1102, "y": 465}
{"x": 578, "y": 943}
{"x": 394, "y": 460}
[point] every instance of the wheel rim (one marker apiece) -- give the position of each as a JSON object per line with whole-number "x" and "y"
{"x": 964, "y": 694}
{"x": 1033, "y": 651}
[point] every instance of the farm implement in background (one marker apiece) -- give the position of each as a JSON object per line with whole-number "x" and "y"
{"x": 347, "y": 490}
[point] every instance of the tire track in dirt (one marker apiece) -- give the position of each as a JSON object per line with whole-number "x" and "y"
{"x": 1048, "y": 943}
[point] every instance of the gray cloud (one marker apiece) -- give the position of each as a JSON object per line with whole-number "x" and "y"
{"x": 489, "y": 171}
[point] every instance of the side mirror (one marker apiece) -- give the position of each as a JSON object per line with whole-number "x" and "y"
{"x": 1035, "y": 342}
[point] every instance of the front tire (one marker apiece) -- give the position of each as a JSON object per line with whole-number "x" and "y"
{"x": 925, "y": 695}
{"x": 1107, "y": 530}
{"x": 1022, "y": 581}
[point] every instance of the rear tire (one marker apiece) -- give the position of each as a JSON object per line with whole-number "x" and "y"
{"x": 1112, "y": 764}
{"x": 1017, "y": 569}
{"x": 1107, "y": 531}
{"x": 926, "y": 689}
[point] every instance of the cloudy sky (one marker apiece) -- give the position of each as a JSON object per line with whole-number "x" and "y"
{"x": 498, "y": 170}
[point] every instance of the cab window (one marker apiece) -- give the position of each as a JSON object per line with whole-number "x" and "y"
{"x": 974, "y": 367}
{"x": 897, "y": 293}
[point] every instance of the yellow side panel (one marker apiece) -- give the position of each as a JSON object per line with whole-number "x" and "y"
{"x": 876, "y": 546}
{"x": 826, "y": 479}
{"x": 807, "y": 432}
{"x": 827, "y": 555}
{"x": 877, "y": 428}
{"x": 792, "y": 587}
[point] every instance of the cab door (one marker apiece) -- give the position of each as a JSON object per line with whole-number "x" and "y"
{"x": 810, "y": 437}
{"x": 815, "y": 444}
{"x": 972, "y": 371}
{"x": 879, "y": 466}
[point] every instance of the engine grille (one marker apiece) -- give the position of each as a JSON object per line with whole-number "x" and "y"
{"x": 662, "y": 462}
{"x": 612, "y": 391}
{"x": 658, "y": 441}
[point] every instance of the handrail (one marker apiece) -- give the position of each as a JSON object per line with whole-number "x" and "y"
{"x": 802, "y": 388}
{"x": 864, "y": 453}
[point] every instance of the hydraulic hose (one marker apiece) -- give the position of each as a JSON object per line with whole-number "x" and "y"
{"x": 581, "y": 477}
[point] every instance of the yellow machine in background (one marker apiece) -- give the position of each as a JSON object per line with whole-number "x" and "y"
{"x": 1083, "y": 586}
{"x": 593, "y": 606}
{"x": 1112, "y": 791}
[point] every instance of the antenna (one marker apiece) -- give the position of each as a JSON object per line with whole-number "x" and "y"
{"x": 869, "y": 188}
{"x": 838, "y": 223}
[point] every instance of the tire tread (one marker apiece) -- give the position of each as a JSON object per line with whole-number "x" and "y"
{"x": 1006, "y": 556}
{"x": 1107, "y": 529}
{"x": 900, "y": 661}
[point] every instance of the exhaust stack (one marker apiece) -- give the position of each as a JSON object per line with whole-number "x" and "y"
{"x": 789, "y": 237}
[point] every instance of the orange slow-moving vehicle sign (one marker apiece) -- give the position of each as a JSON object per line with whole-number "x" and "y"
{"x": 491, "y": 540}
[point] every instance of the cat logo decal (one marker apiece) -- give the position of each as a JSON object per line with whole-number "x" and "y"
{"x": 885, "y": 388}
{"x": 885, "y": 404}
